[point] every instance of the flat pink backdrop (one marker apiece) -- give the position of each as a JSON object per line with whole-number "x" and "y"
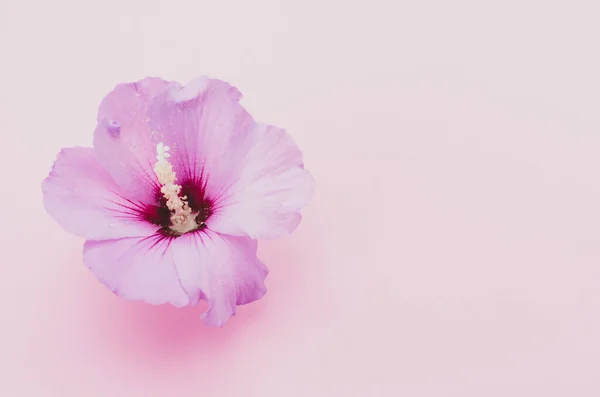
{"x": 452, "y": 247}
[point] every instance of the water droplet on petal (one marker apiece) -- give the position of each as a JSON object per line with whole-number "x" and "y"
{"x": 113, "y": 128}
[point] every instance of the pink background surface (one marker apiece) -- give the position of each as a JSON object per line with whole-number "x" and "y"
{"x": 452, "y": 247}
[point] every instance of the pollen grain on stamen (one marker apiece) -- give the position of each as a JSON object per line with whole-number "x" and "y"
{"x": 182, "y": 218}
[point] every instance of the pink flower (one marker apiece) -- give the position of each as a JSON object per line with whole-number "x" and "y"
{"x": 179, "y": 185}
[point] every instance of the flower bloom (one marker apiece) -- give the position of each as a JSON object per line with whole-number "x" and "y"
{"x": 180, "y": 183}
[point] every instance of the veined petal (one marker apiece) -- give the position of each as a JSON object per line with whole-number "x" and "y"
{"x": 271, "y": 189}
{"x": 137, "y": 269}
{"x": 123, "y": 138}
{"x": 205, "y": 127}
{"x": 224, "y": 270}
{"x": 82, "y": 197}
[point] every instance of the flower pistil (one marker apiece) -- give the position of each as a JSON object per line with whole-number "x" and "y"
{"x": 182, "y": 218}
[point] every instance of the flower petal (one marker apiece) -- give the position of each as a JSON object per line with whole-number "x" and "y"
{"x": 81, "y": 196}
{"x": 205, "y": 126}
{"x": 253, "y": 173}
{"x": 123, "y": 139}
{"x": 224, "y": 270}
{"x": 137, "y": 269}
{"x": 271, "y": 189}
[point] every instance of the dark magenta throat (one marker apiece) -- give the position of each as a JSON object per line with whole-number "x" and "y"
{"x": 160, "y": 215}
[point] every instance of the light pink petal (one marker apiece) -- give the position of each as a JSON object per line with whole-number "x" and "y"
{"x": 224, "y": 270}
{"x": 271, "y": 189}
{"x": 252, "y": 173}
{"x": 123, "y": 139}
{"x": 82, "y": 197}
{"x": 206, "y": 128}
{"x": 137, "y": 269}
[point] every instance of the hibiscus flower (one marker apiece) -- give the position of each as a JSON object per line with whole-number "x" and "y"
{"x": 179, "y": 185}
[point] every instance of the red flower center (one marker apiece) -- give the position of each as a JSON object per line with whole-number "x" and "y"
{"x": 160, "y": 214}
